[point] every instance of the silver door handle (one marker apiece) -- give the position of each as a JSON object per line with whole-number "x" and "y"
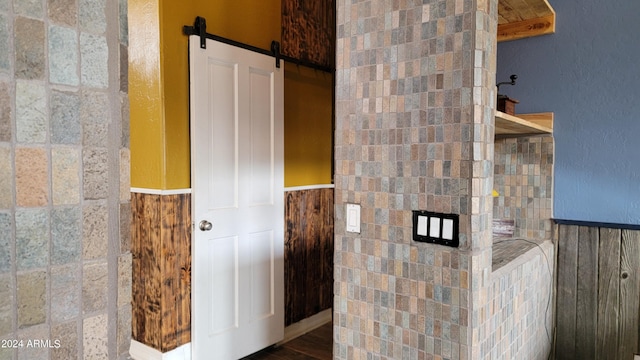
{"x": 205, "y": 225}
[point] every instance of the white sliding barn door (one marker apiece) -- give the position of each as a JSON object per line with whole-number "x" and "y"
{"x": 237, "y": 181}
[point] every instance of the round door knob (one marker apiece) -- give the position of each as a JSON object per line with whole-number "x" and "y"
{"x": 205, "y": 225}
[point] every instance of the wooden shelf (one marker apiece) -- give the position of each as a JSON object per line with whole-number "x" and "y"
{"x": 523, "y": 124}
{"x": 519, "y": 19}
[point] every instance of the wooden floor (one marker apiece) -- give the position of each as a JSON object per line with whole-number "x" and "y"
{"x": 315, "y": 345}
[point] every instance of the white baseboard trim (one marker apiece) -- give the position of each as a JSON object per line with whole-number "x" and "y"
{"x": 140, "y": 351}
{"x": 304, "y": 326}
{"x": 160, "y": 191}
{"x": 310, "y": 187}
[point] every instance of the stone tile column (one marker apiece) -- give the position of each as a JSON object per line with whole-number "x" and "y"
{"x": 65, "y": 262}
{"x": 414, "y": 131}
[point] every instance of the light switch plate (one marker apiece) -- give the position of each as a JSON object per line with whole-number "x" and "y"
{"x": 353, "y": 218}
{"x": 436, "y": 228}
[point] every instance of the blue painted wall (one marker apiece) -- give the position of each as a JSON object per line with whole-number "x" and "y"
{"x": 588, "y": 74}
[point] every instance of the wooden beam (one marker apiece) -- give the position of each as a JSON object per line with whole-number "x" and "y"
{"x": 527, "y": 28}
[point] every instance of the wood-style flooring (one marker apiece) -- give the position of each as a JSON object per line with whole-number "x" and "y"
{"x": 314, "y": 345}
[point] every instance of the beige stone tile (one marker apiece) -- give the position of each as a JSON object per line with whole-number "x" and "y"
{"x": 32, "y": 187}
{"x": 94, "y": 287}
{"x": 63, "y": 11}
{"x": 94, "y": 338}
{"x": 67, "y": 334}
{"x": 94, "y": 231}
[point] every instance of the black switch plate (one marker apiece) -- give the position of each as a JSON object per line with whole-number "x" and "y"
{"x": 429, "y": 227}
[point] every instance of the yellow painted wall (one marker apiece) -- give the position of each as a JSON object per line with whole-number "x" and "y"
{"x": 307, "y": 123}
{"x": 160, "y": 103}
{"x": 145, "y": 95}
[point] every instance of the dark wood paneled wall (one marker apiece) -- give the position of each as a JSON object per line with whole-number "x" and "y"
{"x": 598, "y": 297}
{"x": 161, "y": 249}
{"x": 308, "y": 254}
{"x": 308, "y": 30}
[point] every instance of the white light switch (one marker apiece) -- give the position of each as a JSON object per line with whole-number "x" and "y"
{"x": 353, "y": 218}
{"x": 434, "y": 227}
{"x": 447, "y": 229}
{"x": 422, "y": 225}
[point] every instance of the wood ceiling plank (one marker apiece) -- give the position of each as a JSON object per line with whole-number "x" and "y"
{"x": 524, "y": 18}
{"x": 527, "y": 28}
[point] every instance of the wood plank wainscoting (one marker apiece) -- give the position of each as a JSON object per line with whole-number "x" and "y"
{"x": 308, "y": 252}
{"x": 161, "y": 250}
{"x": 598, "y": 292}
{"x": 161, "y": 289}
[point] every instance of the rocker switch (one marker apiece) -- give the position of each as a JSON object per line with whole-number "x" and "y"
{"x": 353, "y": 218}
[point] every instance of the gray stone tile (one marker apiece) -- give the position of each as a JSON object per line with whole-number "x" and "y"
{"x": 68, "y": 335}
{"x": 94, "y": 114}
{"x": 63, "y": 56}
{"x": 124, "y": 23}
{"x": 32, "y": 351}
{"x": 94, "y": 55}
{"x": 31, "y": 8}
{"x": 64, "y": 12}
{"x": 5, "y": 52}
{"x": 31, "y": 289}
{"x": 124, "y": 69}
{"x": 7, "y": 354}
{"x": 125, "y": 137}
{"x": 95, "y": 173}
{"x": 123, "y": 335}
{"x": 6, "y": 238}
{"x": 94, "y": 337}
{"x": 94, "y": 107}
{"x": 95, "y": 232}
{"x": 95, "y": 135}
{"x": 6, "y": 179}
{"x": 31, "y": 112}
{"x": 4, "y": 5}
{"x": 92, "y": 16}
{"x": 5, "y": 109}
{"x": 125, "y": 175}
{"x": 32, "y": 239}
{"x": 94, "y": 287}
{"x": 65, "y": 293}
{"x": 6, "y": 305}
{"x": 66, "y": 127}
{"x": 65, "y": 169}
{"x": 125, "y": 227}
{"x": 124, "y": 279}
{"x": 66, "y": 235}
{"x": 29, "y": 38}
